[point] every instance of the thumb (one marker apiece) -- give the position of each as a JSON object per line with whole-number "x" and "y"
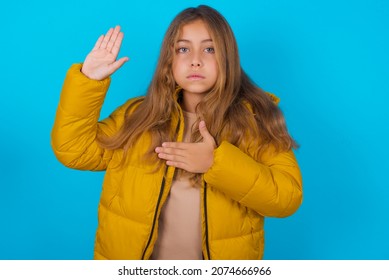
{"x": 205, "y": 133}
{"x": 117, "y": 64}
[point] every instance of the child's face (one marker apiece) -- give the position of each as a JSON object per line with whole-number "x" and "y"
{"x": 195, "y": 67}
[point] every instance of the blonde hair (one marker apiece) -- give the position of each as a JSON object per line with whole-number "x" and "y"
{"x": 235, "y": 109}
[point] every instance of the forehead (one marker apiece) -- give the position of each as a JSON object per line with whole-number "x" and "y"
{"x": 193, "y": 31}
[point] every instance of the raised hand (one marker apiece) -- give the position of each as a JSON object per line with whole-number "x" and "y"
{"x": 192, "y": 157}
{"x": 101, "y": 61}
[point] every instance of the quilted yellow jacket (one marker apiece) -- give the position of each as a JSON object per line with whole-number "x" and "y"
{"x": 237, "y": 193}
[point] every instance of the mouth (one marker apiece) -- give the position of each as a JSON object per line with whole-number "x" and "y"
{"x": 195, "y": 77}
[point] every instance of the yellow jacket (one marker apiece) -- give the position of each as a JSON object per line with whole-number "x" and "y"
{"x": 236, "y": 195}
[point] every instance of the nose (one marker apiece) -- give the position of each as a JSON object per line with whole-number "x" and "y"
{"x": 196, "y": 64}
{"x": 196, "y": 61}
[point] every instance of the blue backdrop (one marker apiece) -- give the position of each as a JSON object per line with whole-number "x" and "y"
{"x": 326, "y": 60}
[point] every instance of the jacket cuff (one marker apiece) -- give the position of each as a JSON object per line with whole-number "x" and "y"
{"x": 80, "y": 95}
{"x": 233, "y": 172}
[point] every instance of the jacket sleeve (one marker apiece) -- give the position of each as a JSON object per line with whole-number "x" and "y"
{"x": 73, "y": 136}
{"x": 272, "y": 187}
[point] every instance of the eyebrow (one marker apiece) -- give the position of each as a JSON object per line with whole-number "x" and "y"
{"x": 188, "y": 41}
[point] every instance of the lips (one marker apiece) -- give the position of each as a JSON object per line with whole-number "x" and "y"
{"x": 195, "y": 77}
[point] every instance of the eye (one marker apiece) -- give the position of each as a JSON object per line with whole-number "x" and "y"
{"x": 210, "y": 50}
{"x": 182, "y": 50}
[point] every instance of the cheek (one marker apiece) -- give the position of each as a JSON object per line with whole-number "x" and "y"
{"x": 215, "y": 68}
{"x": 175, "y": 69}
{"x": 177, "y": 62}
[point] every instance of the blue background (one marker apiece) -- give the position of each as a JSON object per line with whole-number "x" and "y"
{"x": 326, "y": 60}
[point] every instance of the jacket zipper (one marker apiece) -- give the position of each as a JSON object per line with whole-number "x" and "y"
{"x": 155, "y": 214}
{"x": 159, "y": 200}
{"x": 206, "y": 221}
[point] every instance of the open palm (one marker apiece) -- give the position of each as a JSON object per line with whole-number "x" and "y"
{"x": 101, "y": 61}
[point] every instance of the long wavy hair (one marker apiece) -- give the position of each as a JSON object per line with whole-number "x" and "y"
{"x": 235, "y": 109}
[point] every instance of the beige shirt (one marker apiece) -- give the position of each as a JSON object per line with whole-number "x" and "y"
{"x": 179, "y": 232}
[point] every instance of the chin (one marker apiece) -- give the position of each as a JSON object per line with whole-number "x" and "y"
{"x": 196, "y": 90}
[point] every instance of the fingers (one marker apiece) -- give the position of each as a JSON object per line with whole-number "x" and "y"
{"x": 111, "y": 41}
{"x": 116, "y": 45}
{"x": 170, "y": 151}
{"x": 192, "y": 157}
{"x": 176, "y": 145}
{"x": 171, "y": 154}
{"x": 98, "y": 43}
{"x": 106, "y": 39}
{"x": 173, "y": 158}
{"x": 103, "y": 40}
{"x": 114, "y": 37}
{"x": 179, "y": 161}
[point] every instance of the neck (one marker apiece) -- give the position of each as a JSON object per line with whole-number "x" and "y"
{"x": 190, "y": 101}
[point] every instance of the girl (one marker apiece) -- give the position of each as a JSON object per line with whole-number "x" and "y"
{"x": 193, "y": 167}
